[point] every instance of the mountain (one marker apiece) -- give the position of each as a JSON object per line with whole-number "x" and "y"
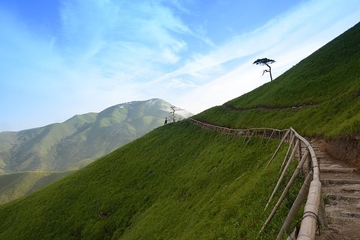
{"x": 81, "y": 139}
{"x": 181, "y": 181}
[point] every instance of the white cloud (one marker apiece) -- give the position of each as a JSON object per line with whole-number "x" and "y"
{"x": 123, "y": 35}
{"x": 115, "y": 51}
{"x": 287, "y": 39}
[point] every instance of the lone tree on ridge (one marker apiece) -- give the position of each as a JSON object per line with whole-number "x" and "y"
{"x": 265, "y": 61}
{"x": 172, "y": 113}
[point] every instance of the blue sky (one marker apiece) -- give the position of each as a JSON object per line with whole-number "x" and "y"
{"x": 65, "y": 57}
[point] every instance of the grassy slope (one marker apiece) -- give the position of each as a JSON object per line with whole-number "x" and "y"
{"x": 329, "y": 79}
{"x": 15, "y": 185}
{"x": 178, "y": 181}
{"x": 81, "y": 139}
{"x": 71, "y": 145}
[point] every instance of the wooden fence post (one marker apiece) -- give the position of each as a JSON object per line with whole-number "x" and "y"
{"x": 278, "y": 148}
{"x": 310, "y": 217}
{"x": 322, "y": 215}
{"x": 296, "y": 206}
{"x": 287, "y": 188}
{"x": 288, "y": 151}
{"x": 314, "y": 207}
{"x": 282, "y": 175}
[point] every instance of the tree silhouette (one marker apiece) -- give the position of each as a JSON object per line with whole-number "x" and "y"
{"x": 172, "y": 113}
{"x": 265, "y": 61}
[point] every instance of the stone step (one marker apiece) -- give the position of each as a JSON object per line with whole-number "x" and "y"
{"x": 351, "y": 188}
{"x": 338, "y": 175}
{"x": 350, "y": 214}
{"x": 327, "y": 161}
{"x": 340, "y": 181}
{"x": 343, "y": 197}
{"x": 337, "y": 169}
{"x": 329, "y": 164}
{"x": 324, "y": 166}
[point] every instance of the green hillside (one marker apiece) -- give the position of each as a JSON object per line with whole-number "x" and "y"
{"x": 15, "y": 185}
{"x": 181, "y": 181}
{"x": 320, "y": 96}
{"x": 81, "y": 139}
{"x": 178, "y": 181}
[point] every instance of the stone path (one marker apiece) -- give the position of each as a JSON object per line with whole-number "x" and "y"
{"x": 341, "y": 189}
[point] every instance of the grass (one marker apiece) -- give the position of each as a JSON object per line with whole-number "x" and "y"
{"x": 329, "y": 72}
{"x": 15, "y": 185}
{"x": 320, "y": 96}
{"x": 177, "y": 182}
{"x": 331, "y": 119}
{"x": 73, "y": 144}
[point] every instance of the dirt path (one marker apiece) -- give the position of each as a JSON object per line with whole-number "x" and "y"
{"x": 341, "y": 187}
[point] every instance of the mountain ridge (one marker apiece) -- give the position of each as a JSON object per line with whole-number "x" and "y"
{"x": 82, "y": 138}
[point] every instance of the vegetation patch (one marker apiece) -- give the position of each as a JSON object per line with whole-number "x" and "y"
{"x": 15, "y": 185}
{"x": 179, "y": 181}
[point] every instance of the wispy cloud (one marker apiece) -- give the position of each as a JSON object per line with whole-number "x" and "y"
{"x": 122, "y": 36}
{"x": 104, "y": 48}
{"x": 288, "y": 38}
{"x": 108, "y": 51}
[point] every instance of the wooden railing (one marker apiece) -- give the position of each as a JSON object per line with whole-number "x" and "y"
{"x": 264, "y": 132}
{"x": 314, "y": 210}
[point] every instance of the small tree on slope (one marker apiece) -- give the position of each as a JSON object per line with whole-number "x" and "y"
{"x": 267, "y": 62}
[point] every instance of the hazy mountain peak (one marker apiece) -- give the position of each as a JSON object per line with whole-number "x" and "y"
{"x": 82, "y": 138}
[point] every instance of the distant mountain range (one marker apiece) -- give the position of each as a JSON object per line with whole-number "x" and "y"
{"x": 81, "y": 139}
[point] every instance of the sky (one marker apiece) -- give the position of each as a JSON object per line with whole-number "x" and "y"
{"x": 60, "y": 58}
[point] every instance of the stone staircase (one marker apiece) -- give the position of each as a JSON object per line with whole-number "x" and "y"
{"x": 341, "y": 190}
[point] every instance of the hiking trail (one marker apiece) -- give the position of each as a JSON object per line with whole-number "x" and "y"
{"x": 341, "y": 190}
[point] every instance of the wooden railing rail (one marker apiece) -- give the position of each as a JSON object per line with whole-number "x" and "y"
{"x": 311, "y": 189}
{"x": 314, "y": 211}
{"x": 266, "y": 132}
